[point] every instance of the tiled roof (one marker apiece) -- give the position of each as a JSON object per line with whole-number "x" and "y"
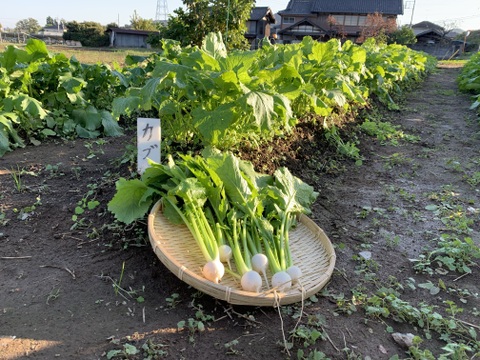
{"x": 299, "y": 7}
{"x": 390, "y": 7}
{"x": 427, "y": 25}
{"x": 258, "y": 13}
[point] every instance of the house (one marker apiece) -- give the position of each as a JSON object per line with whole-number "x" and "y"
{"x": 259, "y": 25}
{"x": 428, "y": 33}
{"x": 52, "y": 34}
{"x": 325, "y": 19}
{"x": 120, "y": 37}
{"x": 432, "y": 39}
{"x": 53, "y": 30}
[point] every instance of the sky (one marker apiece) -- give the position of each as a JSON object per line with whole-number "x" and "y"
{"x": 463, "y": 14}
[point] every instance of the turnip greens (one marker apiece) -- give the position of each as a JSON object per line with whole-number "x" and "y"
{"x": 223, "y": 201}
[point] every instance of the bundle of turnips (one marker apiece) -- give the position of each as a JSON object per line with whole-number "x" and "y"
{"x": 239, "y": 218}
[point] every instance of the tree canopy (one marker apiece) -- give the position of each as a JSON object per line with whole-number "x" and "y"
{"x": 29, "y": 26}
{"x": 402, "y": 36}
{"x": 189, "y": 26}
{"x": 376, "y": 26}
{"x": 139, "y": 23}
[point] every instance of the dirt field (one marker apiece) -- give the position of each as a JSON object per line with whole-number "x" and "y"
{"x": 57, "y": 277}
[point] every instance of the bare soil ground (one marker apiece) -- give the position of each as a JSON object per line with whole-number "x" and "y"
{"x": 57, "y": 277}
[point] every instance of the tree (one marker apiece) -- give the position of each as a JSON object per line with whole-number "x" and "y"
{"x": 29, "y": 26}
{"x": 200, "y": 17}
{"x": 402, "y": 36}
{"x": 88, "y": 33}
{"x": 378, "y": 27}
{"x": 138, "y": 23}
{"x": 51, "y": 21}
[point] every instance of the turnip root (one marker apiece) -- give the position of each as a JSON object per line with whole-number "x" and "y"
{"x": 259, "y": 264}
{"x": 225, "y": 253}
{"x": 281, "y": 281}
{"x": 213, "y": 271}
{"x": 295, "y": 273}
{"x": 251, "y": 281}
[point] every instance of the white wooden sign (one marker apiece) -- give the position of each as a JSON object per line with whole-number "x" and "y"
{"x": 148, "y": 142}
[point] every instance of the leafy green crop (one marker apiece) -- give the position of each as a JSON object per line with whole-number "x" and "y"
{"x": 219, "y": 196}
{"x": 209, "y": 96}
{"x": 203, "y": 95}
{"x": 469, "y": 80}
{"x": 42, "y": 94}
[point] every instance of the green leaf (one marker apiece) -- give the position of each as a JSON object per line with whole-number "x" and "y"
{"x": 37, "y": 47}
{"x": 263, "y": 108}
{"x": 8, "y": 135}
{"x": 92, "y": 204}
{"x": 110, "y": 125}
{"x": 71, "y": 84}
{"x": 125, "y": 105}
{"x": 130, "y": 349}
{"x": 4, "y": 141}
{"x": 212, "y": 125}
{"x": 85, "y": 133}
{"x": 236, "y": 186}
{"x": 294, "y": 195}
{"x": 131, "y": 201}
{"x": 434, "y": 290}
{"x": 214, "y": 46}
{"x": 25, "y": 103}
{"x": 48, "y": 132}
{"x": 88, "y": 118}
{"x": 79, "y": 210}
{"x": 113, "y": 353}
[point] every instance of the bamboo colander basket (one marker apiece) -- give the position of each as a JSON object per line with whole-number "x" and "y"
{"x": 176, "y": 248}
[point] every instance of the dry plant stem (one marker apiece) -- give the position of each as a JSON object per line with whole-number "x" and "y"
{"x": 467, "y": 323}
{"x": 116, "y": 286}
{"x": 461, "y": 276}
{"x": 243, "y": 316}
{"x": 15, "y": 257}
{"x": 71, "y": 272}
{"x": 330, "y": 340}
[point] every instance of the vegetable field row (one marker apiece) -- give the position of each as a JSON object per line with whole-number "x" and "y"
{"x": 204, "y": 96}
{"x": 469, "y": 80}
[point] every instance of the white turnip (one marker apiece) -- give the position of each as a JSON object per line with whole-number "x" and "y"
{"x": 251, "y": 281}
{"x": 259, "y": 264}
{"x": 213, "y": 271}
{"x": 281, "y": 281}
{"x": 225, "y": 253}
{"x": 295, "y": 273}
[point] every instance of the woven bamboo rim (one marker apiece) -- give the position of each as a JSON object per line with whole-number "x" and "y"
{"x": 176, "y": 248}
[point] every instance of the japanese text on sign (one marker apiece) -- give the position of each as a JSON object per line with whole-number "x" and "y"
{"x": 148, "y": 142}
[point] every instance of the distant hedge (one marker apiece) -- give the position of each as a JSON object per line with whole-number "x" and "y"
{"x": 89, "y": 33}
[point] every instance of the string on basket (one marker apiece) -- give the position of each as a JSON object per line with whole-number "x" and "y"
{"x": 228, "y": 292}
{"x": 304, "y": 292}
{"x": 181, "y": 271}
{"x": 277, "y": 305}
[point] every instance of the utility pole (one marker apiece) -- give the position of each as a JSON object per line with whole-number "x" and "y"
{"x": 162, "y": 11}
{"x": 413, "y": 11}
